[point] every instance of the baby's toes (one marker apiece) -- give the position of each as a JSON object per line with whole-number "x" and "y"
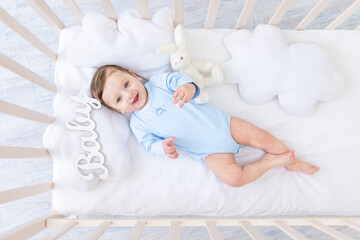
{"x": 313, "y": 169}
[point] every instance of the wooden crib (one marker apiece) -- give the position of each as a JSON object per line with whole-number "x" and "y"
{"x": 62, "y": 224}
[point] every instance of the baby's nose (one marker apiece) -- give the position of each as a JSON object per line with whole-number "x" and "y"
{"x": 130, "y": 96}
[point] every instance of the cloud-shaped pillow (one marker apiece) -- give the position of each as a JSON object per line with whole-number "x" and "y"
{"x": 112, "y": 133}
{"x": 264, "y": 65}
{"x": 131, "y": 42}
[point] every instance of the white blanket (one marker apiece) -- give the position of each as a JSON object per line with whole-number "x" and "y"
{"x": 329, "y": 138}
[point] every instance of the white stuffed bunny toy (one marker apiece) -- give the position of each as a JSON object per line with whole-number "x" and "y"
{"x": 180, "y": 61}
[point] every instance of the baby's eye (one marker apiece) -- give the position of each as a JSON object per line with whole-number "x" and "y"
{"x": 126, "y": 84}
{"x": 118, "y": 99}
{"x": 181, "y": 58}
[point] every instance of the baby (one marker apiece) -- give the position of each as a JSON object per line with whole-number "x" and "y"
{"x": 164, "y": 118}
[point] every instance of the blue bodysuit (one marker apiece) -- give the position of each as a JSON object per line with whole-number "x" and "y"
{"x": 200, "y": 129}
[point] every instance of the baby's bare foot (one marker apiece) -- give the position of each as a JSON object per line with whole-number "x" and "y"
{"x": 302, "y": 166}
{"x": 284, "y": 159}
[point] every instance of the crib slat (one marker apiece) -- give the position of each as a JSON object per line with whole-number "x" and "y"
{"x": 25, "y": 113}
{"x": 245, "y": 14}
{"x": 109, "y": 9}
{"x": 252, "y": 231}
{"x": 23, "y": 152}
{"x": 24, "y": 72}
{"x": 332, "y": 232}
{"x": 178, "y": 12}
{"x": 312, "y": 14}
{"x": 56, "y": 233}
{"x": 211, "y": 14}
{"x": 26, "y": 34}
{"x": 24, "y": 192}
{"x": 28, "y": 229}
{"x": 75, "y": 10}
{"x": 98, "y": 231}
{"x": 280, "y": 12}
{"x": 213, "y": 230}
{"x": 345, "y": 15}
{"x": 136, "y": 232}
{"x": 175, "y": 230}
{"x": 290, "y": 231}
{"x": 352, "y": 224}
{"x": 143, "y": 8}
{"x": 43, "y": 10}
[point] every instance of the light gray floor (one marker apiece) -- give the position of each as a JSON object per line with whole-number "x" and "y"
{"x": 17, "y": 132}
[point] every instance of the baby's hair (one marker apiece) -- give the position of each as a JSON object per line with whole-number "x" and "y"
{"x": 99, "y": 79}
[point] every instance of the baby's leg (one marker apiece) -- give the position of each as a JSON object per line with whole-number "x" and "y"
{"x": 246, "y": 133}
{"x": 225, "y": 167}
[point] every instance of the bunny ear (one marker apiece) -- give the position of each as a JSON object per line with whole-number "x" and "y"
{"x": 166, "y": 49}
{"x": 179, "y": 36}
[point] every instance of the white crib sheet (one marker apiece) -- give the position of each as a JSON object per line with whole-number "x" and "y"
{"x": 329, "y": 138}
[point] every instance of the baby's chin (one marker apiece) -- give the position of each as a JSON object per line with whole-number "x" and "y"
{"x": 139, "y": 106}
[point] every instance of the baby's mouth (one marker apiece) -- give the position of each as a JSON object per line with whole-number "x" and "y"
{"x": 136, "y": 99}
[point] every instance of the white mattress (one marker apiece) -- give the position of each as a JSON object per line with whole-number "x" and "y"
{"x": 329, "y": 138}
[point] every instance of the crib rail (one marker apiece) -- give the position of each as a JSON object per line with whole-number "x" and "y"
{"x": 63, "y": 224}
{"x": 26, "y": 34}
{"x": 245, "y": 14}
{"x": 75, "y": 10}
{"x": 280, "y": 12}
{"x": 23, "y": 152}
{"x": 109, "y": 9}
{"x": 28, "y": 229}
{"x": 312, "y": 14}
{"x": 18, "y": 111}
{"x": 23, "y": 192}
{"x": 45, "y": 12}
{"x": 212, "y": 12}
{"x": 178, "y": 12}
{"x": 22, "y": 71}
{"x": 345, "y": 15}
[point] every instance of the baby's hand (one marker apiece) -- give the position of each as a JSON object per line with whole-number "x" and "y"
{"x": 184, "y": 94}
{"x": 170, "y": 148}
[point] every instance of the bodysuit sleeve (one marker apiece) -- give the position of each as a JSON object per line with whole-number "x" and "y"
{"x": 150, "y": 141}
{"x": 171, "y": 81}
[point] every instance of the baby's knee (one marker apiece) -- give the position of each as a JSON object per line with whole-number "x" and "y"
{"x": 236, "y": 180}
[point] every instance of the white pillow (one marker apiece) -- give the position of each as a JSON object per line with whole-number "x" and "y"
{"x": 264, "y": 65}
{"x": 131, "y": 42}
{"x": 65, "y": 145}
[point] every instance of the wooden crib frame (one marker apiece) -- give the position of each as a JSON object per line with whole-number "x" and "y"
{"x": 65, "y": 223}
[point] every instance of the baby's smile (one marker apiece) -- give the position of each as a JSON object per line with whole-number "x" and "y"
{"x": 136, "y": 98}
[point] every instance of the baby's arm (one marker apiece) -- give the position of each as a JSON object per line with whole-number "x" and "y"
{"x": 173, "y": 81}
{"x": 153, "y": 143}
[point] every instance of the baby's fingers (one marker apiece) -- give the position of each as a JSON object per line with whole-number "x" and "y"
{"x": 173, "y": 155}
{"x": 170, "y": 149}
{"x": 179, "y": 97}
{"x": 176, "y": 93}
{"x": 168, "y": 144}
{"x": 169, "y": 141}
{"x": 184, "y": 100}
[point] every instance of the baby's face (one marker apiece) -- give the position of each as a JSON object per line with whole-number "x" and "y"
{"x": 124, "y": 91}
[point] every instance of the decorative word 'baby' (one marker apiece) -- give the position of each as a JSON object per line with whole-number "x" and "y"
{"x": 89, "y": 143}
